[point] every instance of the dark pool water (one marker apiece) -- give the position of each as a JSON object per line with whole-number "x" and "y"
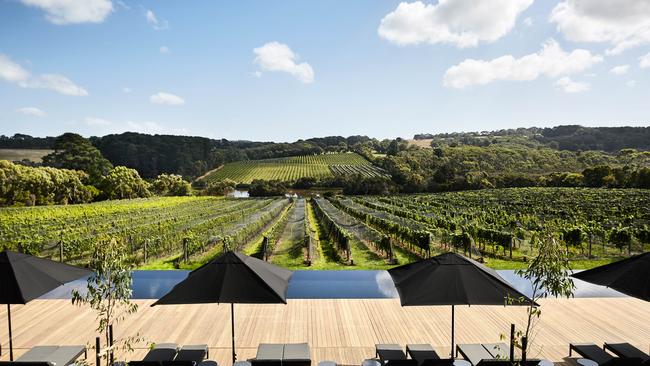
{"x": 310, "y": 284}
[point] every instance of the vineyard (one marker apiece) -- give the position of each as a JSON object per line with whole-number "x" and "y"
{"x": 501, "y": 227}
{"x": 292, "y": 168}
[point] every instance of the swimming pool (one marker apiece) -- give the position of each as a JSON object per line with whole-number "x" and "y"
{"x": 312, "y": 284}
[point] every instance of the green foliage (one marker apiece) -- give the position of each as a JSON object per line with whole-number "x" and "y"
{"x": 171, "y": 185}
{"x": 72, "y": 151}
{"x": 122, "y": 183}
{"x": 219, "y": 188}
{"x": 265, "y": 188}
{"x": 21, "y": 185}
{"x": 620, "y": 237}
{"x": 108, "y": 292}
{"x": 550, "y": 274}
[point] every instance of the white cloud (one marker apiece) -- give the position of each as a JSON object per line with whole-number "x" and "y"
{"x": 126, "y": 90}
{"x": 31, "y": 111}
{"x": 275, "y": 56}
{"x": 166, "y": 98}
{"x": 620, "y": 69}
{"x": 550, "y": 61}
{"x": 155, "y": 22}
{"x": 464, "y": 23}
{"x": 164, "y": 50}
{"x": 622, "y": 24}
{"x": 94, "y": 121}
{"x": 14, "y": 73}
{"x": 644, "y": 61}
{"x": 570, "y": 86}
{"x": 528, "y": 21}
{"x": 73, "y": 11}
{"x": 631, "y": 83}
{"x": 256, "y": 74}
{"x": 56, "y": 82}
{"x": 11, "y": 71}
{"x": 153, "y": 128}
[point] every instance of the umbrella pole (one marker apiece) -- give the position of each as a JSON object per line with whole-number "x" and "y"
{"x": 11, "y": 343}
{"x": 232, "y": 317}
{"x": 452, "y": 330}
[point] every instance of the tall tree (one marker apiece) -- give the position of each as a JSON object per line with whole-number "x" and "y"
{"x": 72, "y": 151}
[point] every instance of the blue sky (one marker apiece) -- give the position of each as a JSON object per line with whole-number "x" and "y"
{"x": 284, "y": 70}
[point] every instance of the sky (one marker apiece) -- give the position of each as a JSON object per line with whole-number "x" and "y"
{"x": 285, "y": 70}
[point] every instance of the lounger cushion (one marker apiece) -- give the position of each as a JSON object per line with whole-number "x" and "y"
{"x": 196, "y": 353}
{"x": 421, "y": 352}
{"x": 296, "y": 352}
{"x": 270, "y": 352}
{"x": 592, "y": 352}
{"x": 56, "y": 355}
{"x": 390, "y": 352}
{"x": 474, "y": 353}
{"x": 627, "y": 350}
{"x": 24, "y": 363}
{"x": 145, "y": 363}
{"x": 161, "y": 352}
{"x": 498, "y": 351}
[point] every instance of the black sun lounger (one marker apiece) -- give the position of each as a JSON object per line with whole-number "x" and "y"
{"x": 422, "y": 353}
{"x": 162, "y": 352}
{"x": 189, "y": 355}
{"x": 389, "y": 352}
{"x": 626, "y": 350}
{"x": 49, "y": 355}
{"x": 594, "y": 353}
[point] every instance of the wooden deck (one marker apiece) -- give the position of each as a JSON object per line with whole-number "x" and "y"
{"x": 341, "y": 330}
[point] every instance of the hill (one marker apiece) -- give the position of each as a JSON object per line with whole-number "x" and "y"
{"x": 33, "y": 155}
{"x": 571, "y": 137}
{"x": 292, "y": 168}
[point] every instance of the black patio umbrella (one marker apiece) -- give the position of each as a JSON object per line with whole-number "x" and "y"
{"x": 451, "y": 279}
{"x": 24, "y": 278}
{"x": 231, "y": 278}
{"x": 630, "y": 276}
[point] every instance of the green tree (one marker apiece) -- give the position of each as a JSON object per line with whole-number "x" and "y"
{"x": 219, "y": 188}
{"x": 108, "y": 293}
{"x": 550, "y": 274}
{"x": 597, "y": 176}
{"x": 122, "y": 183}
{"x": 171, "y": 185}
{"x": 72, "y": 151}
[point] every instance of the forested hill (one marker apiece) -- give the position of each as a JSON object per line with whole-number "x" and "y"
{"x": 572, "y": 138}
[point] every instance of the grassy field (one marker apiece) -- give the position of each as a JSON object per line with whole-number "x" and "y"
{"x": 292, "y": 168}
{"x": 35, "y": 155}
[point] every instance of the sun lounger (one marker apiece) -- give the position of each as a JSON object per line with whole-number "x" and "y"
{"x": 474, "y": 353}
{"x": 626, "y": 350}
{"x": 389, "y": 352}
{"x": 295, "y": 354}
{"x": 162, "y": 352}
{"x": 188, "y": 355}
{"x": 499, "y": 351}
{"x": 596, "y": 354}
{"x": 49, "y": 355}
{"x": 421, "y": 353}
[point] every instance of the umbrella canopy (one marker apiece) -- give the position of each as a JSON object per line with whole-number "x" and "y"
{"x": 451, "y": 279}
{"x": 630, "y": 276}
{"x": 232, "y": 278}
{"x": 24, "y": 278}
